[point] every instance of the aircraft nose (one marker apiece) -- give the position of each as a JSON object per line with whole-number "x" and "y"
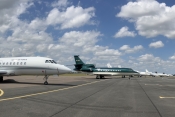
{"x": 66, "y": 69}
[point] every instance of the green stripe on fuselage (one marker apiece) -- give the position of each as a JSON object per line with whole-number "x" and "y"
{"x": 124, "y": 70}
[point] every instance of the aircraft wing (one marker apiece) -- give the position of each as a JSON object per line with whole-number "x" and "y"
{"x": 3, "y": 72}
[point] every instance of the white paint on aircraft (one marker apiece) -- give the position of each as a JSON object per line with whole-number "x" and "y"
{"x": 31, "y": 66}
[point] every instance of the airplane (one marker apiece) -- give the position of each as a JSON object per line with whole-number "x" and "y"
{"x": 101, "y": 72}
{"x": 162, "y": 74}
{"x": 152, "y": 74}
{"x": 158, "y": 74}
{"x": 144, "y": 73}
{"x": 14, "y": 66}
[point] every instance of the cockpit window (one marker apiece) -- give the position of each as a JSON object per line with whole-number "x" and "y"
{"x": 47, "y": 61}
{"x": 54, "y": 62}
{"x": 50, "y": 61}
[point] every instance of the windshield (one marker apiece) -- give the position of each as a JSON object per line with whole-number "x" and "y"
{"x": 50, "y": 61}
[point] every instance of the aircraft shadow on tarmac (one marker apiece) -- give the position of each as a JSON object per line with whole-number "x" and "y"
{"x": 12, "y": 81}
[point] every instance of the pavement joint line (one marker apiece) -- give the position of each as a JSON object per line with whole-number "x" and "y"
{"x": 1, "y": 92}
{"x": 166, "y": 97}
{"x": 81, "y": 100}
{"x": 161, "y": 85}
{"x": 18, "y": 97}
{"x": 149, "y": 99}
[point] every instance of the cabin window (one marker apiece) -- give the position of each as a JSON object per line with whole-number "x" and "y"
{"x": 13, "y": 63}
{"x": 21, "y": 63}
{"x": 17, "y": 63}
{"x": 24, "y": 63}
{"x": 3, "y": 63}
{"x": 10, "y": 63}
{"x": 7, "y": 63}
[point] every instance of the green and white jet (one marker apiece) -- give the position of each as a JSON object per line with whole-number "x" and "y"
{"x": 101, "y": 72}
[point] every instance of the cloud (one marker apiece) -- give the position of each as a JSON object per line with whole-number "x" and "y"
{"x": 152, "y": 63}
{"x": 108, "y": 52}
{"x": 127, "y": 48}
{"x": 72, "y": 17}
{"x": 151, "y": 18}
{"x": 148, "y": 58}
{"x": 172, "y": 57}
{"x": 157, "y": 44}
{"x": 123, "y": 32}
{"x": 10, "y": 11}
{"x": 60, "y": 3}
{"x": 82, "y": 43}
{"x": 30, "y": 38}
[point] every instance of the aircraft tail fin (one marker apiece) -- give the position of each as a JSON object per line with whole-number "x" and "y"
{"x": 78, "y": 63}
{"x": 78, "y": 60}
{"x": 147, "y": 70}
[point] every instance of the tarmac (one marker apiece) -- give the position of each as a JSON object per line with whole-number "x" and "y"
{"x": 85, "y": 96}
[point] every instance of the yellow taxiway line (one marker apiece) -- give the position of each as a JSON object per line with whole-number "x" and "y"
{"x": 50, "y": 91}
{"x": 1, "y": 92}
{"x": 166, "y": 97}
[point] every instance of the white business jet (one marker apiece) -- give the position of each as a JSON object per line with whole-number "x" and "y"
{"x": 31, "y": 66}
{"x": 144, "y": 73}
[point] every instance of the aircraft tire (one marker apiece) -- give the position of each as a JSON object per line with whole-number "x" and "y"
{"x": 45, "y": 83}
{"x": 1, "y": 78}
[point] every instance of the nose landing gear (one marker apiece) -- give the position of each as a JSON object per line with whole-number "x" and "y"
{"x": 45, "y": 78}
{"x": 1, "y": 78}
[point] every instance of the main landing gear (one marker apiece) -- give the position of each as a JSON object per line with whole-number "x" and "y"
{"x": 1, "y": 78}
{"x": 130, "y": 77}
{"x": 99, "y": 77}
{"x": 45, "y": 78}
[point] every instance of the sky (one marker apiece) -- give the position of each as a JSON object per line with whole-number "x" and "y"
{"x": 138, "y": 34}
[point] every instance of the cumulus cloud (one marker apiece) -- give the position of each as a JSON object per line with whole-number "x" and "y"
{"x": 157, "y": 44}
{"x": 172, "y": 57}
{"x": 28, "y": 38}
{"x": 152, "y": 63}
{"x": 148, "y": 58}
{"x": 81, "y": 43}
{"x": 60, "y": 3}
{"x": 72, "y": 17}
{"x": 151, "y": 18}
{"x": 128, "y": 49}
{"x": 123, "y": 32}
{"x": 108, "y": 52}
{"x": 10, "y": 11}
